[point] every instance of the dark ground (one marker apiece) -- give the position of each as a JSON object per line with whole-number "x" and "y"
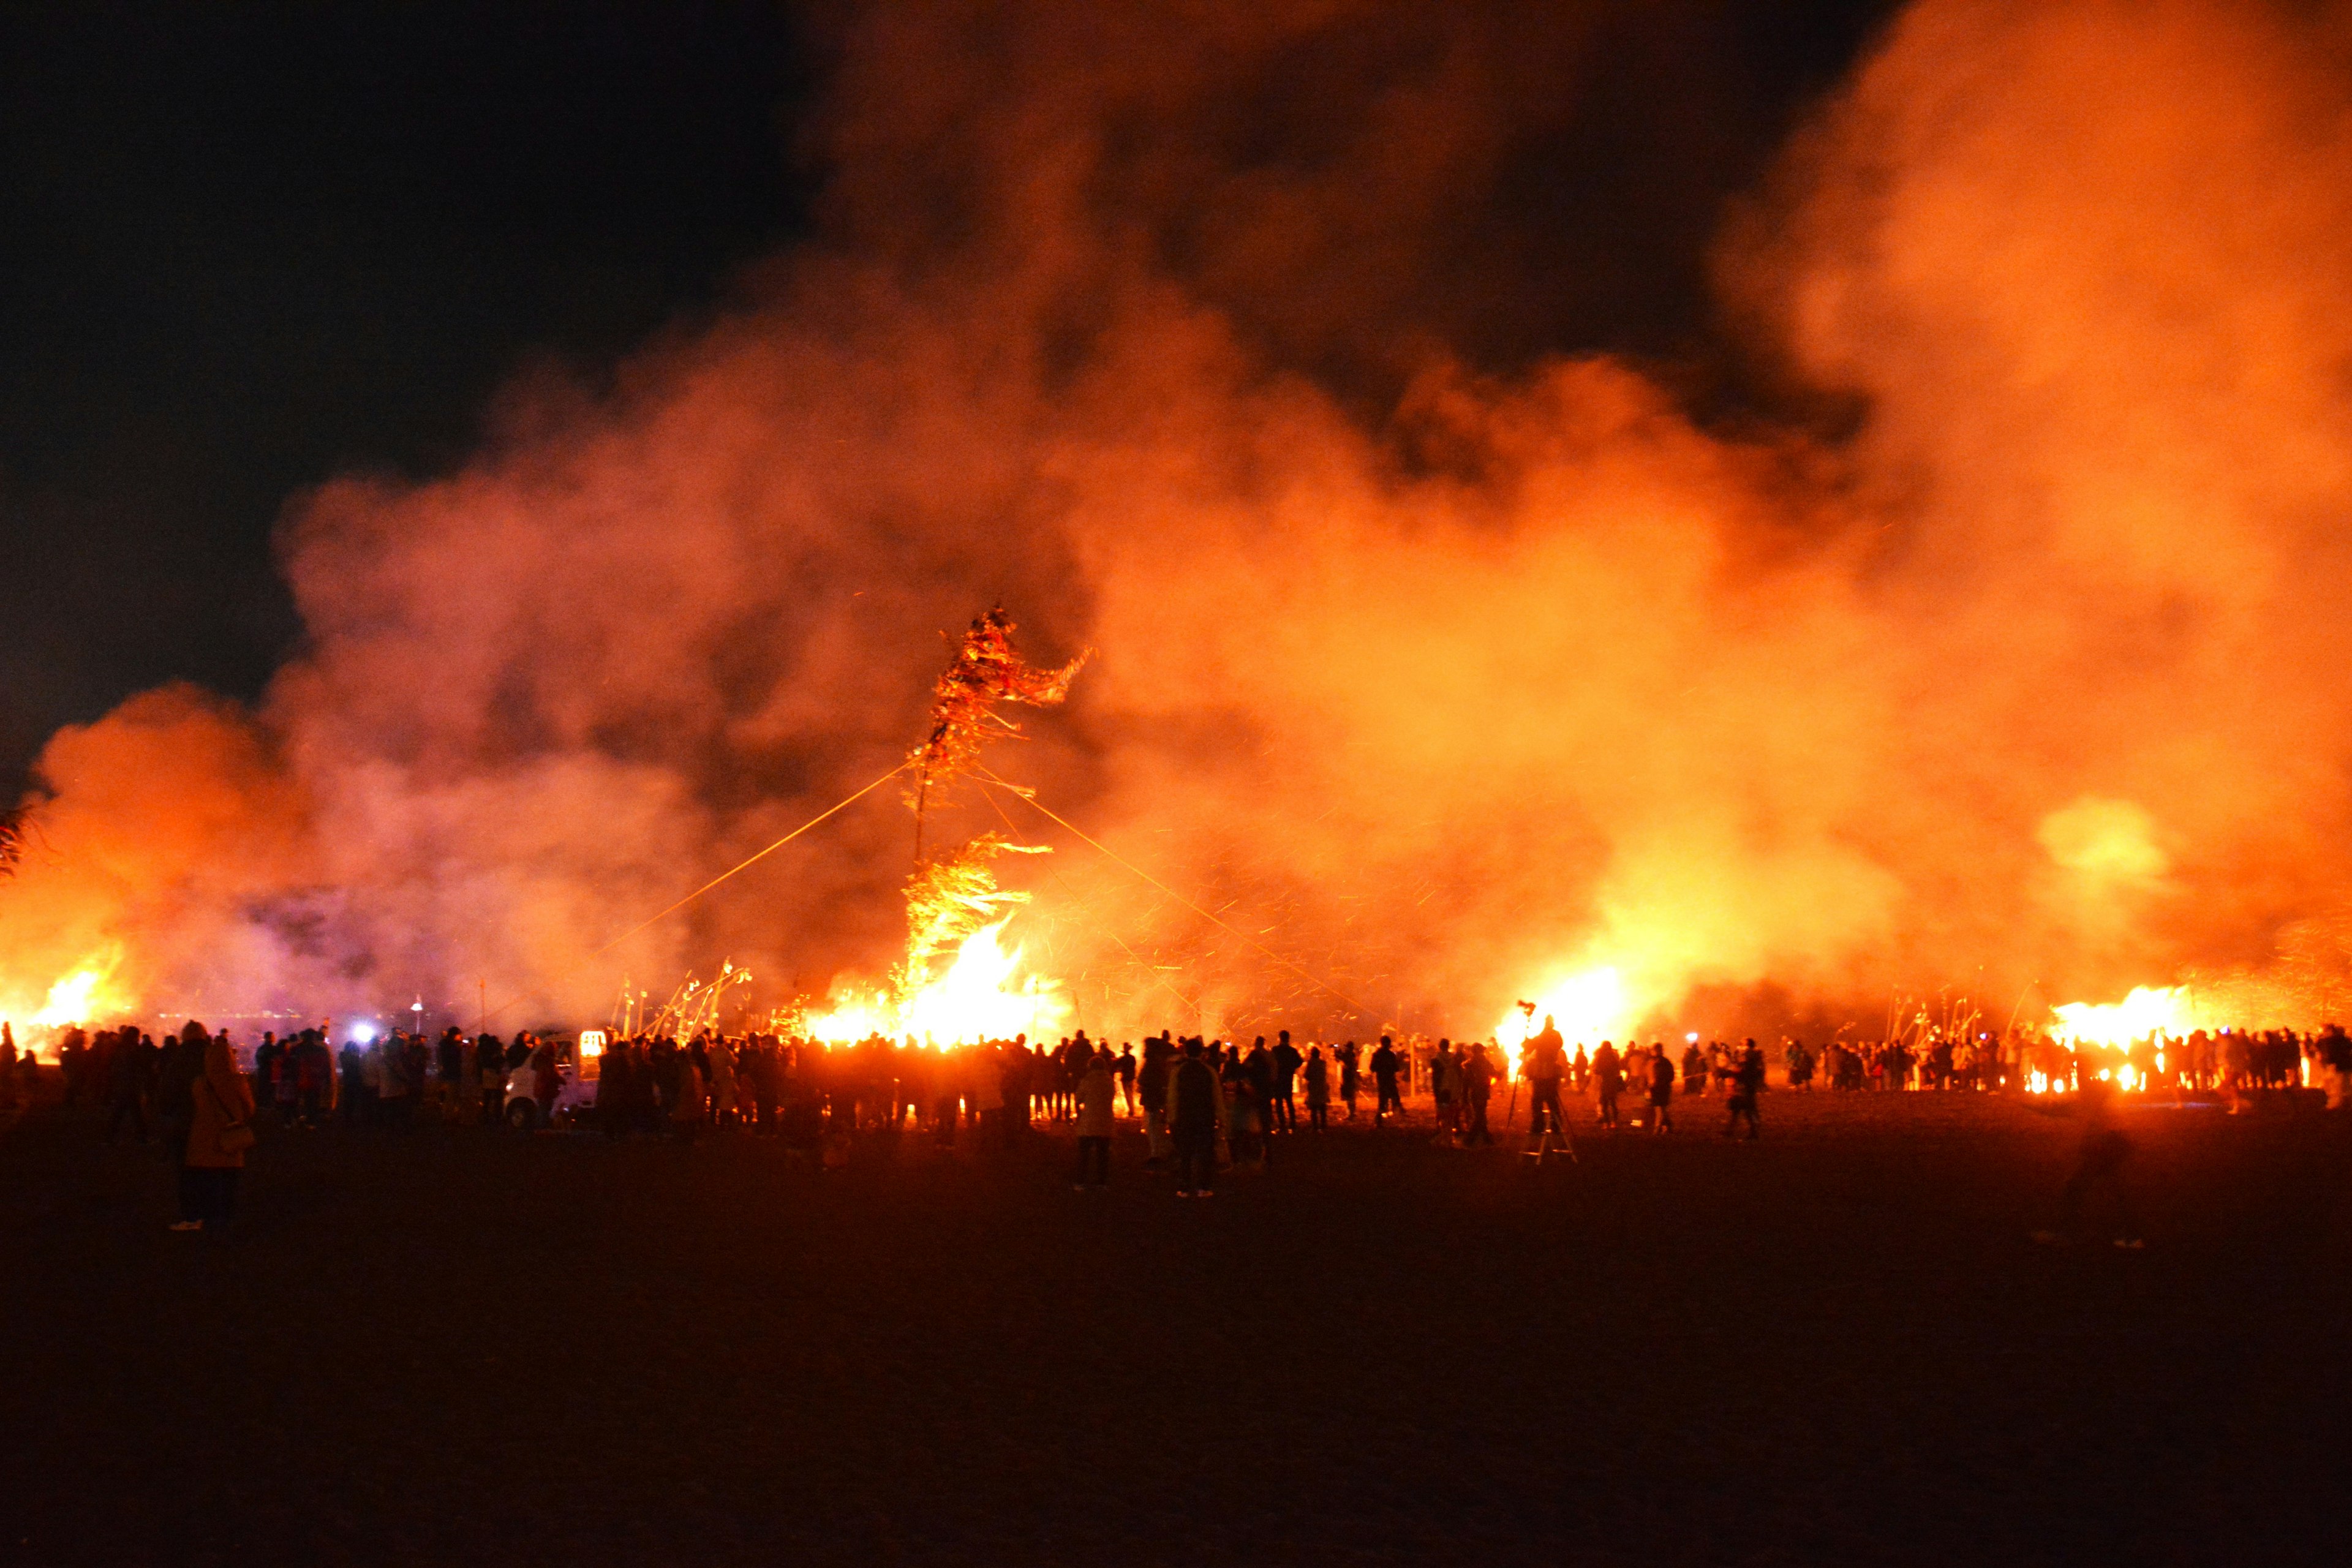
{"x": 1836, "y": 1345}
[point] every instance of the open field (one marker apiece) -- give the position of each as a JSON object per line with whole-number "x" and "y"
{"x": 1834, "y": 1345}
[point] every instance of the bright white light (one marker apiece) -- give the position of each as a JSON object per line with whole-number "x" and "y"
{"x": 363, "y": 1032}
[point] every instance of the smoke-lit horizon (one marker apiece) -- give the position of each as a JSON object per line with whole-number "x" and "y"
{"x": 1441, "y": 685}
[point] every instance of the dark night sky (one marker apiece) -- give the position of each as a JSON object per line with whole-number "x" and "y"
{"x": 246, "y": 246}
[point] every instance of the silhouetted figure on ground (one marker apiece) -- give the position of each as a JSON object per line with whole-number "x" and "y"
{"x": 2099, "y": 1162}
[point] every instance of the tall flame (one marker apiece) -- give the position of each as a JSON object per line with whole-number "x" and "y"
{"x": 2149, "y": 1009}
{"x": 983, "y": 995}
{"x": 85, "y": 995}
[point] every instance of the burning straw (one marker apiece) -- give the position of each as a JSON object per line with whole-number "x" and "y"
{"x": 984, "y": 672}
{"x": 953, "y": 897}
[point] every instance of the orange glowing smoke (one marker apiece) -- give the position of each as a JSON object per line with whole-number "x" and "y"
{"x": 1444, "y": 673}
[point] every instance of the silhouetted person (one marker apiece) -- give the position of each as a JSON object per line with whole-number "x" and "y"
{"x": 1608, "y": 1083}
{"x": 1662, "y": 1091}
{"x": 1544, "y": 1060}
{"x": 1386, "y": 1065}
{"x": 1196, "y": 1106}
{"x": 1478, "y": 1093}
{"x": 1746, "y": 1085}
{"x": 1287, "y": 1063}
{"x": 1318, "y": 1089}
{"x": 129, "y": 1069}
{"x": 219, "y": 1132}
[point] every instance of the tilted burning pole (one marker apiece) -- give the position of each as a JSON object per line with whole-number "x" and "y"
{"x": 953, "y": 896}
{"x": 984, "y": 671}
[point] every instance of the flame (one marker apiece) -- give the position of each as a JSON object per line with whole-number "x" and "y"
{"x": 982, "y": 996}
{"x": 84, "y": 994}
{"x": 1588, "y": 1006}
{"x": 2149, "y": 1010}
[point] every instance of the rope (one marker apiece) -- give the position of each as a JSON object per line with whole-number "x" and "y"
{"x": 1085, "y": 837}
{"x": 1151, "y": 969}
{"x": 832, "y": 810}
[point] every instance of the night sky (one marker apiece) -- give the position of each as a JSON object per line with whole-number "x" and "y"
{"x": 250, "y": 247}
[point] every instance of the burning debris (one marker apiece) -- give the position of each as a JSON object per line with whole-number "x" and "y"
{"x": 984, "y": 672}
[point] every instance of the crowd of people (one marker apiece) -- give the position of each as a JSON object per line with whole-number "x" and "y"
{"x": 1203, "y": 1105}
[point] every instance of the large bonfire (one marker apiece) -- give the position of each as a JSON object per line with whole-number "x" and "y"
{"x": 962, "y": 978}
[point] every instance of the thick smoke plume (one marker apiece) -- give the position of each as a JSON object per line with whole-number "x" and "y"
{"x": 1435, "y": 677}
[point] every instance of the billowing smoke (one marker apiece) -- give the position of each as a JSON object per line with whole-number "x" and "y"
{"x": 1433, "y": 683}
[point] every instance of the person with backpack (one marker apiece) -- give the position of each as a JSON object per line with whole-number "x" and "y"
{"x": 1197, "y": 1122}
{"x": 219, "y": 1129}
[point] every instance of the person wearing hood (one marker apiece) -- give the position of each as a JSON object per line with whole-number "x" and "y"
{"x": 220, "y": 1130}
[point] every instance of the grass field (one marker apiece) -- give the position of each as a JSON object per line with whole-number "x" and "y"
{"x": 1834, "y": 1345}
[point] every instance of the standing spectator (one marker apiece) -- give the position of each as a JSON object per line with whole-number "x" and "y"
{"x": 449, "y": 1073}
{"x": 1318, "y": 1090}
{"x": 1350, "y": 1081}
{"x": 2335, "y": 1067}
{"x": 1608, "y": 1083}
{"x": 1198, "y": 1117}
{"x": 128, "y": 1070}
{"x": 357, "y": 1100}
{"x": 1446, "y": 1089}
{"x": 490, "y": 1054}
{"x": 547, "y": 1082}
{"x": 264, "y": 1071}
{"x": 1151, "y": 1089}
{"x": 720, "y": 1060}
{"x": 687, "y": 1101}
{"x": 1287, "y": 1062}
{"x": 394, "y": 1093}
{"x": 1478, "y": 1093}
{"x": 1096, "y": 1086}
{"x": 1662, "y": 1090}
{"x": 469, "y": 1082}
{"x": 1543, "y": 1059}
{"x": 1125, "y": 1068}
{"x": 1385, "y": 1068}
{"x": 175, "y": 1078}
{"x": 219, "y": 1132}
{"x": 1746, "y": 1083}
{"x": 613, "y": 1087}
